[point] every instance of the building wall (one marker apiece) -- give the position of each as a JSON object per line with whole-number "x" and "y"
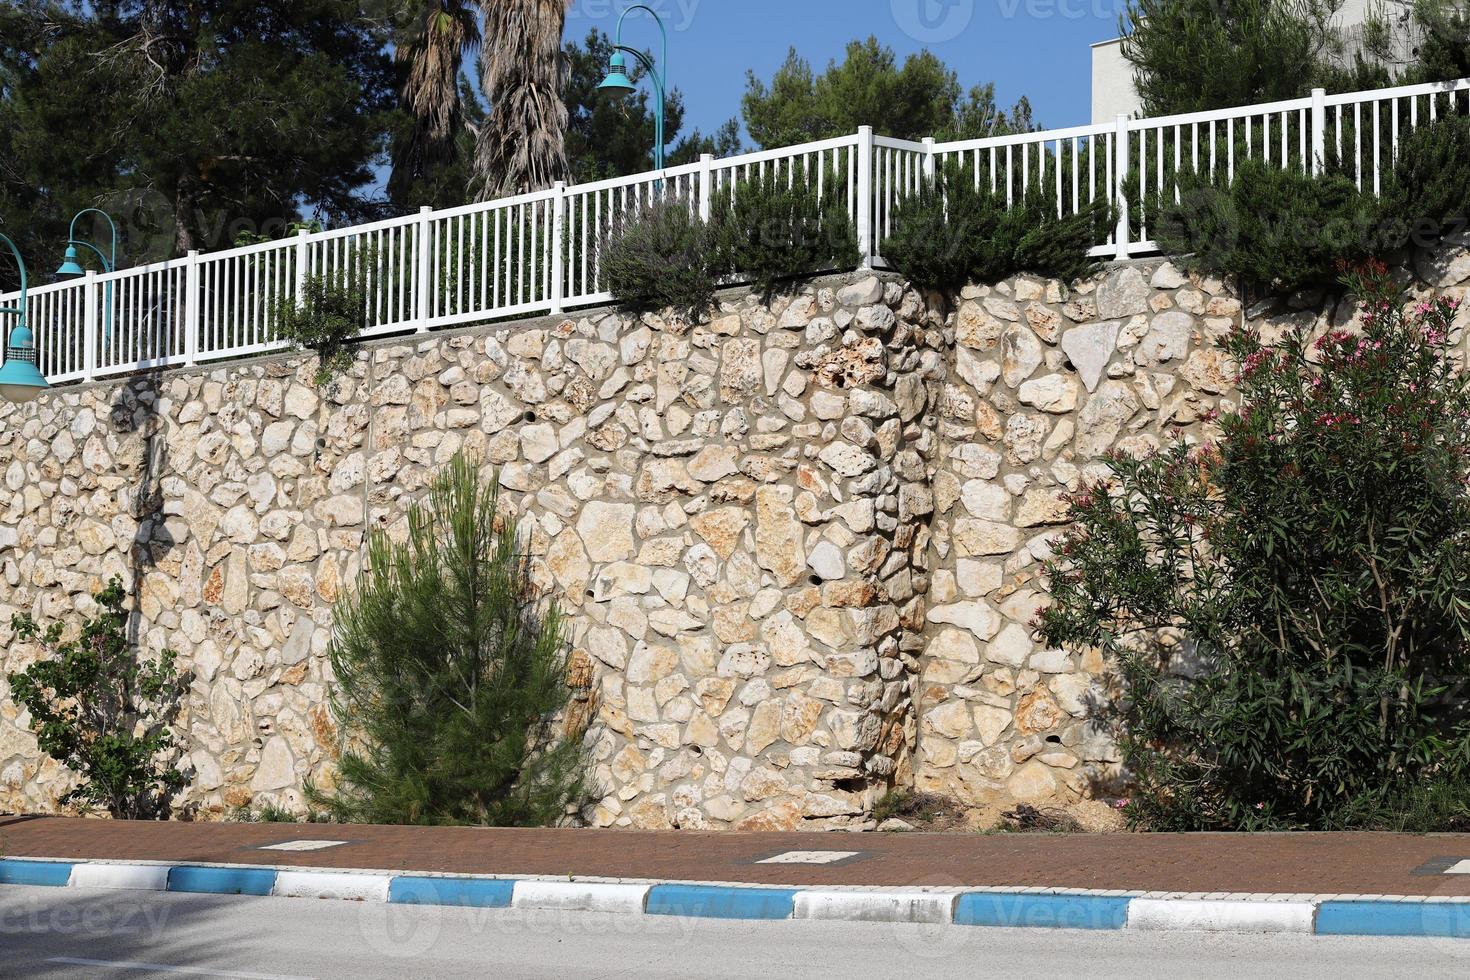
{"x": 799, "y": 545}
{"x": 1113, "y": 93}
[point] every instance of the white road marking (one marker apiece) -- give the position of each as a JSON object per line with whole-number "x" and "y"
{"x": 303, "y": 845}
{"x": 809, "y": 857}
{"x": 161, "y": 968}
{"x": 1458, "y": 868}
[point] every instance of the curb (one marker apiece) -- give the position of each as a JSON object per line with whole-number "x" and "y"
{"x": 1056, "y": 908}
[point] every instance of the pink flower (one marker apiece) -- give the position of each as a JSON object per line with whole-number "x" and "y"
{"x": 1121, "y": 804}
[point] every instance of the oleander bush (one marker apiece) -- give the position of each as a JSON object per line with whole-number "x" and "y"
{"x": 660, "y": 255}
{"x": 104, "y": 712}
{"x": 450, "y": 669}
{"x": 1289, "y": 607}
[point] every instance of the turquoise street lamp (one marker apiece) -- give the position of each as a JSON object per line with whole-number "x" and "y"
{"x": 618, "y": 83}
{"x": 20, "y": 379}
{"x": 72, "y": 269}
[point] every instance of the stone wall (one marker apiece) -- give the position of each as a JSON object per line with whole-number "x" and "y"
{"x": 799, "y": 545}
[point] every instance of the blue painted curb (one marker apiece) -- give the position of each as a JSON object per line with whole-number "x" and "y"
{"x": 478, "y": 893}
{"x": 221, "y": 881}
{"x": 714, "y": 902}
{"x": 1021, "y": 910}
{"x": 1366, "y": 916}
{"x": 1450, "y": 920}
{"x": 50, "y": 873}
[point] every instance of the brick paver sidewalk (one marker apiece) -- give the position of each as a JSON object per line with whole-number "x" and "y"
{"x": 1359, "y": 864}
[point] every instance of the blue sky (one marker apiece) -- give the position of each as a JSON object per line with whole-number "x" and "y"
{"x": 1036, "y": 48}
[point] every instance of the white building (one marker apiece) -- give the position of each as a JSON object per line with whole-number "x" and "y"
{"x": 1112, "y": 76}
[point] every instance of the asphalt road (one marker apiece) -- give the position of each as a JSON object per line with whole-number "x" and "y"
{"x": 100, "y": 935}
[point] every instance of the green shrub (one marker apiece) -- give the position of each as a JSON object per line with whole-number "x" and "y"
{"x": 1286, "y": 606}
{"x": 1272, "y": 230}
{"x": 659, "y": 256}
{"x": 99, "y": 710}
{"x": 1428, "y": 193}
{"x": 951, "y": 232}
{"x": 1057, "y": 247}
{"x": 450, "y": 670}
{"x": 331, "y": 312}
{"x": 769, "y": 227}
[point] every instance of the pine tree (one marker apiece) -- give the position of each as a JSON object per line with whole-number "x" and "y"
{"x": 189, "y": 120}
{"x": 450, "y": 672}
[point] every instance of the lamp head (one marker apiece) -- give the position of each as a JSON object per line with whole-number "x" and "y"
{"x": 617, "y": 82}
{"x": 71, "y": 268}
{"x": 21, "y": 380}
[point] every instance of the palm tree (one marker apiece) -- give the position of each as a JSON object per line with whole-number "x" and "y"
{"x": 432, "y": 50}
{"x": 522, "y": 144}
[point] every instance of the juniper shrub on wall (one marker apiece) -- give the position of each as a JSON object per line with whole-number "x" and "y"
{"x": 1287, "y": 606}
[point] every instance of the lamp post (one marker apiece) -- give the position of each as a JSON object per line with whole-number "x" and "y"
{"x": 619, "y": 84}
{"x": 71, "y": 268}
{"x": 20, "y": 379}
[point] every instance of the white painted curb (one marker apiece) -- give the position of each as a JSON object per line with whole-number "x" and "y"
{"x": 1155, "y": 915}
{"x": 875, "y": 906}
{"x": 330, "y": 884}
{"x": 139, "y": 877}
{"x": 575, "y": 896}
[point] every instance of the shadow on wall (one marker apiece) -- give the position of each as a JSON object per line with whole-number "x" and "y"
{"x": 135, "y": 413}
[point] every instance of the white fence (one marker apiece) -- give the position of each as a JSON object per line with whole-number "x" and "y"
{"x": 539, "y": 252}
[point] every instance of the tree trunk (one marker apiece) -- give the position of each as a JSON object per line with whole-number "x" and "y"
{"x": 522, "y": 145}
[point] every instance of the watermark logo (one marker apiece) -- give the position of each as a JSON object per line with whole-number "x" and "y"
{"x": 933, "y": 21}
{"x": 677, "y": 15}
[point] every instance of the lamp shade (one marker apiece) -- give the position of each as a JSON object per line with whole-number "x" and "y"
{"x": 20, "y": 380}
{"x": 71, "y": 268}
{"x": 617, "y": 81}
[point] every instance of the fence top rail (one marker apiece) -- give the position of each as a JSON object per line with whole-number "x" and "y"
{"x": 894, "y": 143}
{"x": 784, "y": 152}
{"x": 477, "y": 207}
{"x": 167, "y": 266}
{"x": 1016, "y": 139}
{"x": 1399, "y": 92}
{"x": 1219, "y": 115}
{"x": 633, "y": 180}
{"x": 274, "y": 244}
{"x": 60, "y": 286}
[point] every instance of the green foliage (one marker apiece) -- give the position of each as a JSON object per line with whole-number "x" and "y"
{"x": 658, "y": 256}
{"x": 1428, "y": 194}
{"x": 1286, "y": 606}
{"x": 274, "y": 813}
{"x": 332, "y": 311}
{"x": 868, "y": 88}
{"x": 955, "y": 230}
{"x": 99, "y": 710}
{"x": 450, "y": 668}
{"x": 771, "y": 226}
{"x": 247, "y": 237}
{"x": 1271, "y": 229}
{"x": 1194, "y": 55}
{"x": 188, "y": 121}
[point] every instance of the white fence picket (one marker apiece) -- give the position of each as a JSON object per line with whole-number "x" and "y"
{"x": 541, "y": 252}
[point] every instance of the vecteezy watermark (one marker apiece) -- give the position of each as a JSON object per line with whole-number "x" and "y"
{"x": 1105, "y": 10}
{"x": 677, "y": 15}
{"x": 933, "y": 21}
